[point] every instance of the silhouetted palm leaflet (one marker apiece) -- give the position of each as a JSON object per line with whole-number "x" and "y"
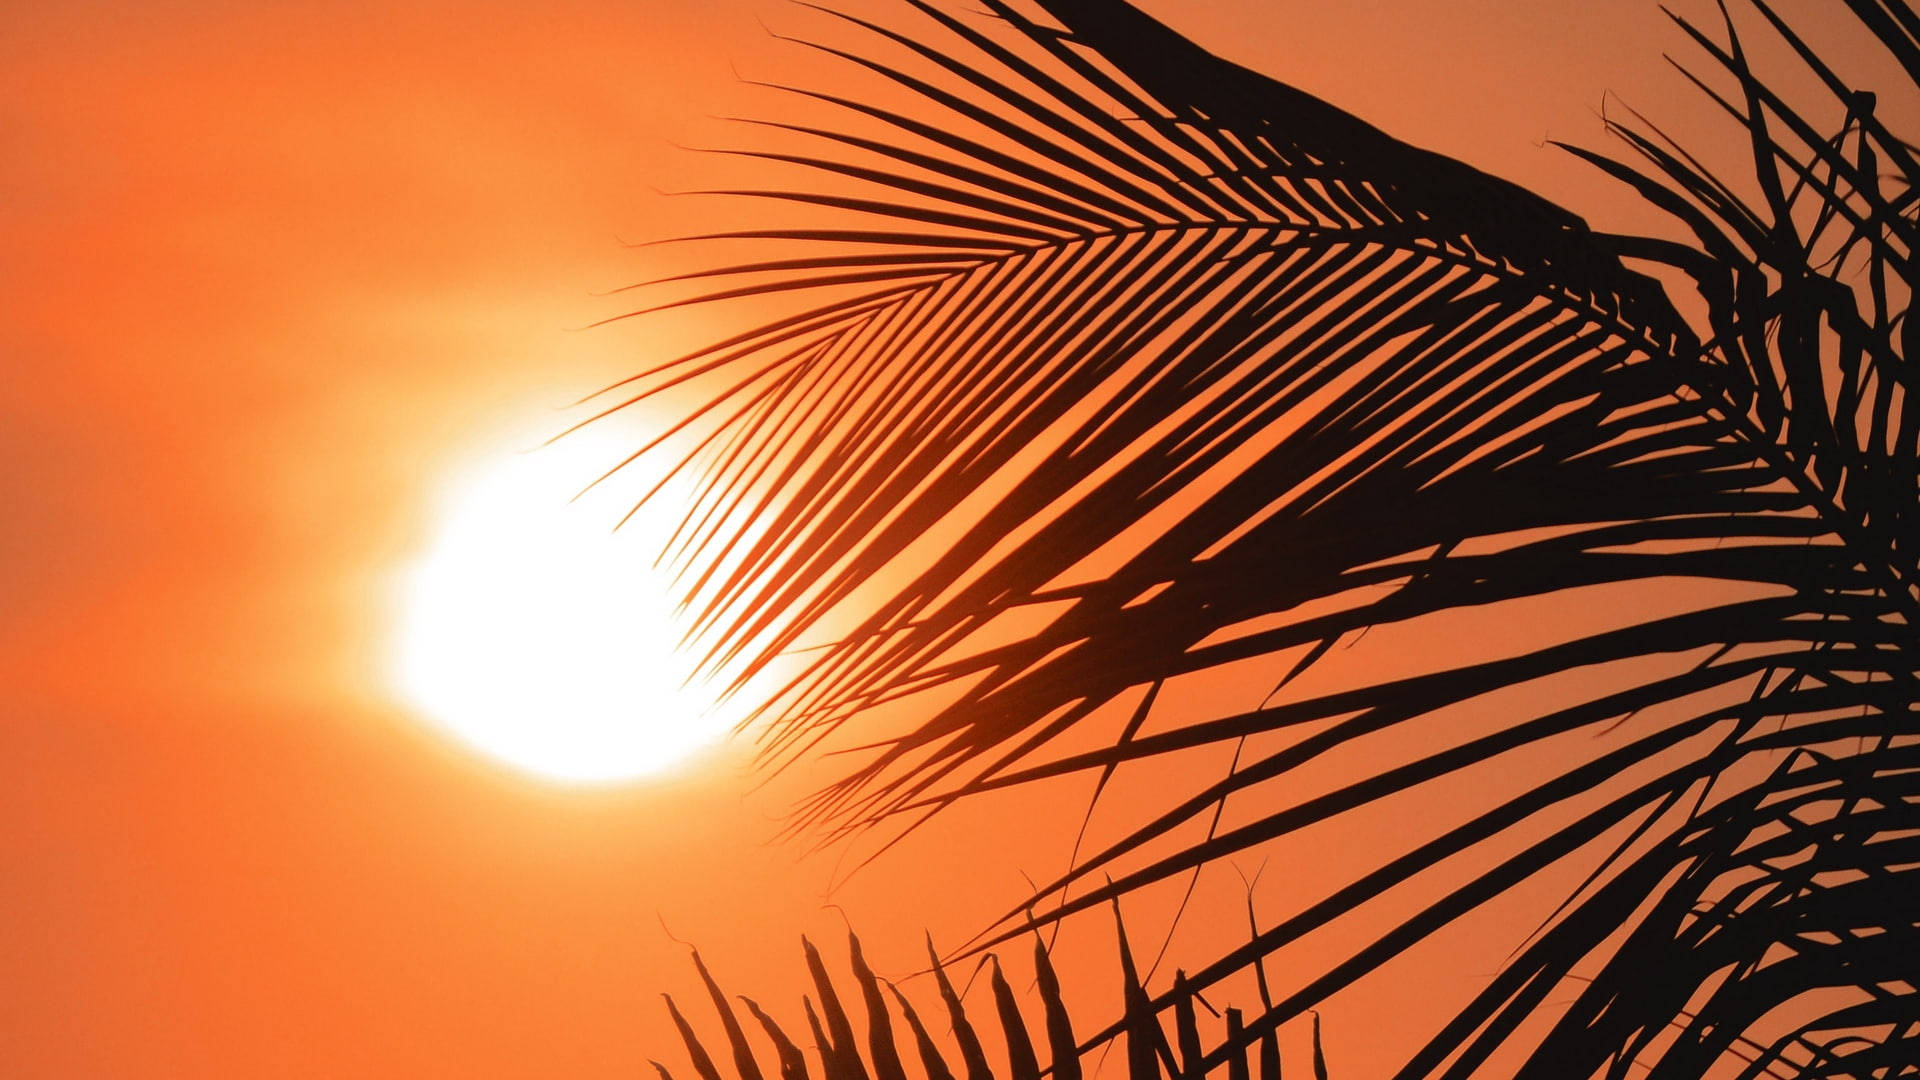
{"x": 843, "y": 1055}
{"x": 1206, "y": 371}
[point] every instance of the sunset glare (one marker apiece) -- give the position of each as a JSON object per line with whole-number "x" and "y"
{"x": 534, "y": 632}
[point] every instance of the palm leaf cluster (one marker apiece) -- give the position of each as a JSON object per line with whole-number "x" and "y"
{"x": 1119, "y": 366}
{"x": 842, "y": 1055}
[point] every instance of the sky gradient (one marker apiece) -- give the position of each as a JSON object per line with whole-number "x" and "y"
{"x": 268, "y": 275}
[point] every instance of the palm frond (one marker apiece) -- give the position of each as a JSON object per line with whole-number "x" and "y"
{"x": 1128, "y": 366}
{"x": 839, "y": 1054}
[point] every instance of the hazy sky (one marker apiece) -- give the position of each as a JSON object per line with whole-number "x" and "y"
{"x": 267, "y": 273}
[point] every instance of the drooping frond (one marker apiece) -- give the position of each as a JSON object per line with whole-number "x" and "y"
{"x": 1128, "y": 366}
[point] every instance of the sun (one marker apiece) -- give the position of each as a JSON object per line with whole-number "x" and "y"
{"x": 535, "y": 633}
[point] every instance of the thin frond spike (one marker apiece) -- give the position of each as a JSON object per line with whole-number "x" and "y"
{"x": 837, "y": 1044}
{"x": 972, "y": 1056}
{"x": 1319, "y": 1053}
{"x": 833, "y": 1063}
{"x": 1147, "y": 1046}
{"x": 1187, "y": 1029}
{"x": 1022, "y": 1063}
{"x": 1236, "y": 1043}
{"x": 744, "y": 1065}
{"x": 1270, "y": 1055}
{"x": 880, "y": 1046}
{"x": 931, "y": 1060}
{"x": 702, "y": 1061}
{"x": 793, "y": 1064}
{"x": 1061, "y": 1045}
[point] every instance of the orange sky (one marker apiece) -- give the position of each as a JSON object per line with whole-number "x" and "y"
{"x": 266, "y": 273}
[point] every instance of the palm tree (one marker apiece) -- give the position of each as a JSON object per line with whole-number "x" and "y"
{"x": 1108, "y": 367}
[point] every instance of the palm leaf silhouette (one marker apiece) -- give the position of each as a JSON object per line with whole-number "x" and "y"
{"x": 838, "y": 1048}
{"x": 1119, "y": 365}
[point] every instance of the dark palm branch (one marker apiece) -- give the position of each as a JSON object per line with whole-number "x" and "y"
{"x": 1122, "y": 366}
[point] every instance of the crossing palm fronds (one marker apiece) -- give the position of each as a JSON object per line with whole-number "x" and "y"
{"x": 1120, "y": 367}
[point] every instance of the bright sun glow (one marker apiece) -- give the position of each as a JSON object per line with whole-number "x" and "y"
{"x": 535, "y": 633}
